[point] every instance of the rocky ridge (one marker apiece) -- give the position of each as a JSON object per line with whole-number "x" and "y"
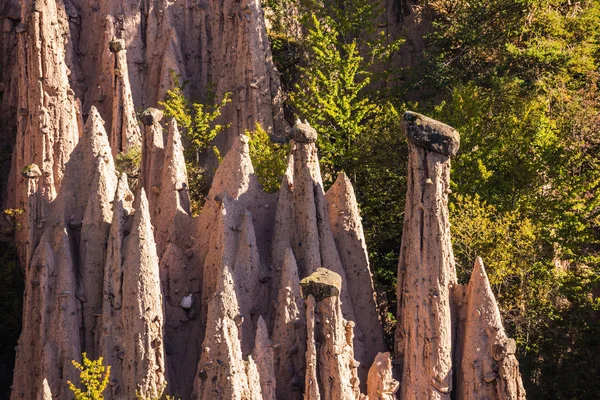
{"x": 218, "y": 305}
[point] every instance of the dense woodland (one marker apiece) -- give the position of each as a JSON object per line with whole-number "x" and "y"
{"x": 519, "y": 81}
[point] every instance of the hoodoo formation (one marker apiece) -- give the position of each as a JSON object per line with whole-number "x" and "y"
{"x": 261, "y": 296}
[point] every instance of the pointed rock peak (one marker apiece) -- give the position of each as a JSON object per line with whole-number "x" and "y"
{"x": 94, "y": 134}
{"x": 481, "y": 297}
{"x": 341, "y": 194}
{"x": 225, "y": 292}
{"x": 235, "y": 172}
{"x": 264, "y": 357}
{"x": 142, "y": 211}
{"x": 479, "y": 277}
{"x": 262, "y": 333}
{"x": 342, "y": 183}
{"x": 175, "y": 159}
{"x": 174, "y": 140}
{"x": 94, "y": 123}
{"x": 289, "y": 272}
{"x": 123, "y": 191}
{"x": 380, "y": 383}
{"x": 479, "y": 283}
{"x": 302, "y": 132}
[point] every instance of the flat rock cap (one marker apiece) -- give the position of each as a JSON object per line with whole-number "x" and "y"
{"x": 151, "y": 116}
{"x": 31, "y": 171}
{"x": 431, "y": 134}
{"x": 322, "y": 284}
{"x": 304, "y": 133}
{"x": 116, "y": 45}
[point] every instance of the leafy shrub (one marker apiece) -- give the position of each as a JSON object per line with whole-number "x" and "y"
{"x": 129, "y": 162}
{"x": 94, "y": 378}
{"x": 268, "y": 158}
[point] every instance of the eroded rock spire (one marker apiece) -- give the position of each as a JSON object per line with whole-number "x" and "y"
{"x": 489, "y": 368}
{"x": 346, "y": 225}
{"x": 111, "y": 332}
{"x": 125, "y": 131}
{"x": 426, "y": 270}
{"x": 331, "y": 370}
{"x": 142, "y": 317}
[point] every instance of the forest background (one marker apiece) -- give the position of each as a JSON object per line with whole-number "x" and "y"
{"x": 519, "y": 81}
{"x": 517, "y": 78}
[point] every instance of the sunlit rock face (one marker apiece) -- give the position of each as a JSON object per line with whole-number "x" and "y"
{"x": 261, "y": 296}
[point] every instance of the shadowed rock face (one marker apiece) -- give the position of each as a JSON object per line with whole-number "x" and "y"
{"x": 213, "y": 304}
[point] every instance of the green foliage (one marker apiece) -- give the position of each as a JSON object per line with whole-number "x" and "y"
{"x": 329, "y": 97}
{"x": 196, "y": 122}
{"x": 519, "y": 80}
{"x": 13, "y": 215}
{"x": 546, "y": 305}
{"x": 129, "y": 162}
{"x": 268, "y": 158}
{"x": 94, "y": 378}
{"x": 379, "y": 178}
{"x": 520, "y": 83}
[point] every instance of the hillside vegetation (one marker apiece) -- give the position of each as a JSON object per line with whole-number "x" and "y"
{"x": 519, "y": 81}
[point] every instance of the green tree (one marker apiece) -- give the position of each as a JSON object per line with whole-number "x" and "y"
{"x": 94, "y": 378}
{"x": 269, "y": 159}
{"x": 197, "y": 124}
{"x": 329, "y": 96}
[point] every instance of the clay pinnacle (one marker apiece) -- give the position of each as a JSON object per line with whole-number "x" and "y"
{"x": 116, "y": 45}
{"x": 431, "y": 134}
{"x": 322, "y": 284}
{"x": 304, "y": 133}
{"x": 151, "y": 116}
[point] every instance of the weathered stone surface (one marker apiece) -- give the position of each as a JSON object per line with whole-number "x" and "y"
{"x": 489, "y": 368}
{"x": 345, "y": 221}
{"x": 321, "y": 284}
{"x": 213, "y": 304}
{"x": 221, "y": 369}
{"x": 426, "y": 273}
{"x": 142, "y": 318}
{"x": 381, "y": 385}
{"x": 302, "y": 224}
{"x": 94, "y": 235}
{"x": 125, "y": 132}
{"x": 111, "y": 332}
{"x": 431, "y": 134}
{"x": 311, "y": 383}
{"x": 289, "y": 330}
{"x": 302, "y": 132}
{"x": 263, "y": 355}
{"x": 31, "y": 171}
{"x": 338, "y": 370}
{"x": 48, "y": 123}
{"x": 116, "y": 45}
{"x": 49, "y": 340}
